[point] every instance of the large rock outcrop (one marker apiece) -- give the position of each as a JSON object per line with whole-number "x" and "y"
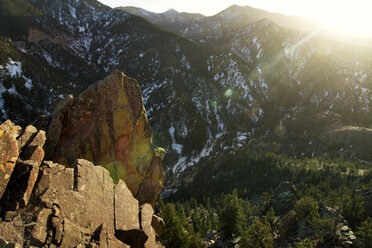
{"x": 8, "y": 152}
{"x": 107, "y": 125}
{"x": 46, "y": 204}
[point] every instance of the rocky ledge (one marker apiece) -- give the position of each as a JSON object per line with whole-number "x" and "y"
{"x": 52, "y": 197}
{"x": 45, "y": 204}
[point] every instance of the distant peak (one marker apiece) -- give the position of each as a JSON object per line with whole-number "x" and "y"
{"x": 235, "y": 6}
{"x": 171, "y": 11}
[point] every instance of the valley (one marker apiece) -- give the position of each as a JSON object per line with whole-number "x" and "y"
{"x": 222, "y": 94}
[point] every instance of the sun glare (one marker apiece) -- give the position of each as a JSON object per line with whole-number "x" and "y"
{"x": 348, "y": 17}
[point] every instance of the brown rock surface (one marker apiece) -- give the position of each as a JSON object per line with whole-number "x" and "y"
{"x": 34, "y": 150}
{"x": 146, "y": 218}
{"x": 107, "y": 125}
{"x": 126, "y": 209}
{"x": 22, "y": 183}
{"x": 34, "y": 154}
{"x": 8, "y": 152}
{"x": 77, "y": 207}
{"x": 26, "y": 170}
{"x": 27, "y": 136}
{"x": 82, "y": 199}
{"x": 46, "y": 204}
{"x": 95, "y": 185}
{"x": 153, "y": 182}
{"x": 12, "y": 231}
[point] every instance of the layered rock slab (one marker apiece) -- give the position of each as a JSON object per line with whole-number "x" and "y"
{"x": 9, "y": 152}
{"x": 107, "y": 125}
{"x": 147, "y": 213}
{"x": 22, "y": 178}
{"x": 79, "y": 203}
{"x": 46, "y": 204}
{"x": 79, "y": 207}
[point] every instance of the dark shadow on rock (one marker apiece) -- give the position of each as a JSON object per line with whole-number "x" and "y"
{"x": 134, "y": 238}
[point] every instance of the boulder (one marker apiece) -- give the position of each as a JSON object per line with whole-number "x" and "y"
{"x": 9, "y": 152}
{"x": 75, "y": 207}
{"x": 34, "y": 150}
{"x": 107, "y": 125}
{"x": 21, "y": 184}
{"x": 346, "y": 236}
{"x": 13, "y": 230}
{"x": 81, "y": 199}
{"x": 40, "y": 230}
{"x": 147, "y": 213}
{"x": 126, "y": 208}
{"x": 94, "y": 184}
{"x": 283, "y": 198}
{"x": 26, "y": 169}
{"x": 27, "y": 136}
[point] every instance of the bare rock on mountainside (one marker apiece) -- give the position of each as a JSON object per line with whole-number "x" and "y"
{"x": 46, "y": 204}
{"x": 21, "y": 154}
{"x": 8, "y": 152}
{"x": 283, "y": 198}
{"x": 107, "y": 125}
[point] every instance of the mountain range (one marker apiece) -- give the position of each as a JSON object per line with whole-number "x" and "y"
{"x": 212, "y": 86}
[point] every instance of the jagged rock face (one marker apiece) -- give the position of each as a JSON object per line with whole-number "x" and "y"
{"x": 147, "y": 213}
{"x": 8, "y": 153}
{"x": 46, "y": 204}
{"x": 21, "y": 152}
{"x": 79, "y": 201}
{"x": 79, "y": 205}
{"x": 107, "y": 125}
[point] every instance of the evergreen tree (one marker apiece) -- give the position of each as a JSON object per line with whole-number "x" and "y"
{"x": 364, "y": 232}
{"x": 187, "y": 209}
{"x": 288, "y": 224}
{"x": 181, "y": 214}
{"x": 270, "y": 216}
{"x": 353, "y": 210}
{"x": 174, "y": 234}
{"x": 196, "y": 221}
{"x": 257, "y": 235}
{"x": 231, "y": 215}
{"x": 307, "y": 208}
{"x": 306, "y": 243}
{"x": 196, "y": 241}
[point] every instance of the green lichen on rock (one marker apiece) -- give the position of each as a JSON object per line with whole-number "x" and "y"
{"x": 107, "y": 125}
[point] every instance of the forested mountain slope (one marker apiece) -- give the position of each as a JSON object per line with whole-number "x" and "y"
{"x": 241, "y": 84}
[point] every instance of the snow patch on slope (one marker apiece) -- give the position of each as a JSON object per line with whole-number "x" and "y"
{"x": 175, "y": 146}
{"x": 14, "y": 68}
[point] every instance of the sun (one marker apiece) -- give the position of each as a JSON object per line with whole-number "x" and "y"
{"x": 348, "y": 17}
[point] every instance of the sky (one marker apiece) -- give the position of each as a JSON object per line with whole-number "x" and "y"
{"x": 344, "y": 15}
